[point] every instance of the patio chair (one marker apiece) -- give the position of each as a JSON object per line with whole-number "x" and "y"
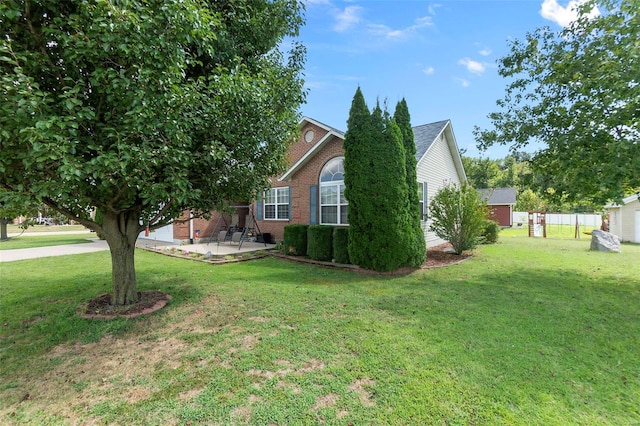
{"x": 222, "y": 236}
{"x": 236, "y": 237}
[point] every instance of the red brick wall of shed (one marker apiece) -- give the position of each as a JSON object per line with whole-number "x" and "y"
{"x": 300, "y": 182}
{"x": 501, "y": 214}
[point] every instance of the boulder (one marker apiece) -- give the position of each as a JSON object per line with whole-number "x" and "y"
{"x": 604, "y": 241}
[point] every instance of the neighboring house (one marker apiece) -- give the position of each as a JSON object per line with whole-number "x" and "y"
{"x": 311, "y": 191}
{"x": 624, "y": 219}
{"x": 500, "y": 202}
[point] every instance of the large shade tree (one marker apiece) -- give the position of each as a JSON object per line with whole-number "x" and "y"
{"x": 577, "y": 91}
{"x": 142, "y": 109}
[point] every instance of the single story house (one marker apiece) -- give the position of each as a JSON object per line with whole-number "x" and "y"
{"x": 311, "y": 190}
{"x": 500, "y": 202}
{"x": 624, "y": 219}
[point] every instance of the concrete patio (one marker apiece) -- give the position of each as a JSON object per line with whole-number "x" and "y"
{"x": 217, "y": 250}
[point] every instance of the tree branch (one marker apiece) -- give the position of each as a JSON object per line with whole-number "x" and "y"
{"x": 36, "y": 35}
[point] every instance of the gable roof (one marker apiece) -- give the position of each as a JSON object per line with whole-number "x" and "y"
{"x": 625, "y": 201}
{"x": 424, "y": 137}
{"x": 498, "y": 196}
{"x": 331, "y": 134}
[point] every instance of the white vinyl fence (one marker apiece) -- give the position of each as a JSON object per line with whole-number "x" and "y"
{"x": 594, "y": 220}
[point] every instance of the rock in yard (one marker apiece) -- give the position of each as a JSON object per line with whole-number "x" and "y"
{"x": 604, "y": 241}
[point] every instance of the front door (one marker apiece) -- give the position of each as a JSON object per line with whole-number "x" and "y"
{"x": 637, "y": 227}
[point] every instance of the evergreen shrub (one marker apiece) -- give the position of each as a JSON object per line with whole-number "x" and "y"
{"x": 341, "y": 245}
{"x": 490, "y": 233}
{"x": 320, "y": 242}
{"x": 295, "y": 239}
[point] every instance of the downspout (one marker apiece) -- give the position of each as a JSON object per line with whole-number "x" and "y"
{"x": 190, "y": 227}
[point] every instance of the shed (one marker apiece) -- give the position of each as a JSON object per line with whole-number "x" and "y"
{"x": 500, "y": 202}
{"x": 624, "y": 219}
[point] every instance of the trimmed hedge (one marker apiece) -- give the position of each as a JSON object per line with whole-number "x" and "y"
{"x": 320, "y": 242}
{"x": 341, "y": 245}
{"x": 295, "y": 239}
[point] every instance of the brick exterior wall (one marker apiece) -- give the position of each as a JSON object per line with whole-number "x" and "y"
{"x": 307, "y": 175}
{"x": 210, "y": 227}
{"x": 501, "y": 214}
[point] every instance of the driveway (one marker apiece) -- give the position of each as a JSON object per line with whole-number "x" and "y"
{"x": 96, "y": 244}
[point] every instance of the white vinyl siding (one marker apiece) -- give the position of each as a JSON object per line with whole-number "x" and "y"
{"x": 436, "y": 169}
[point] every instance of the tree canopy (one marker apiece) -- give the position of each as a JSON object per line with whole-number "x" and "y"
{"x": 577, "y": 92}
{"x": 144, "y": 109}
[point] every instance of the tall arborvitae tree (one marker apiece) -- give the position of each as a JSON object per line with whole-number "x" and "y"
{"x": 376, "y": 187}
{"x": 356, "y": 148}
{"x": 419, "y": 248}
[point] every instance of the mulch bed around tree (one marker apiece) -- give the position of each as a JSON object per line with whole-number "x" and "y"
{"x": 443, "y": 255}
{"x": 148, "y": 302}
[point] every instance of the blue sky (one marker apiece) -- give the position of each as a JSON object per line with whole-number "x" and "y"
{"x": 440, "y": 56}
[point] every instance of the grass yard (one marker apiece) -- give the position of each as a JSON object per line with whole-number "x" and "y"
{"x": 529, "y": 331}
{"x": 553, "y": 231}
{"x": 26, "y": 241}
{"x": 15, "y": 229}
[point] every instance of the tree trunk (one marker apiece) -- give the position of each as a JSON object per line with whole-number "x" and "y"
{"x": 121, "y": 232}
{"x": 3, "y": 230}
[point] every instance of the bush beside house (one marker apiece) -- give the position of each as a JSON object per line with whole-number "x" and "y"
{"x": 320, "y": 242}
{"x": 459, "y": 216}
{"x": 295, "y": 239}
{"x": 341, "y": 245}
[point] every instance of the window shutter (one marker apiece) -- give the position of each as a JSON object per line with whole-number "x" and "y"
{"x": 259, "y": 207}
{"x": 290, "y": 197}
{"x": 425, "y": 204}
{"x": 313, "y": 205}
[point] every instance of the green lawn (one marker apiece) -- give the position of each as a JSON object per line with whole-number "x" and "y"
{"x": 15, "y": 229}
{"x": 553, "y": 231}
{"x": 25, "y": 241}
{"x": 529, "y": 331}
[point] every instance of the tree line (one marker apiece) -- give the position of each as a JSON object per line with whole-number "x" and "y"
{"x": 535, "y": 189}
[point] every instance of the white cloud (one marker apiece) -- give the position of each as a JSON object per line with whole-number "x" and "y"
{"x": 347, "y": 18}
{"x": 387, "y": 32}
{"x": 429, "y": 70}
{"x": 432, "y": 8}
{"x": 485, "y": 52}
{"x": 463, "y": 82}
{"x": 473, "y": 66}
{"x": 563, "y": 16}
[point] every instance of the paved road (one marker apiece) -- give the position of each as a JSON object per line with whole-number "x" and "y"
{"x": 96, "y": 244}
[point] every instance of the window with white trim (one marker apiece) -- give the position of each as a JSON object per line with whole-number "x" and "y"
{"x": 334, "y": 207}
{"x": 276, "y": 203}
{"x": 422, "y": 199}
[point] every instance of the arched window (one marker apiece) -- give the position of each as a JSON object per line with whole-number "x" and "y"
{"x": 333, "y": 204}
